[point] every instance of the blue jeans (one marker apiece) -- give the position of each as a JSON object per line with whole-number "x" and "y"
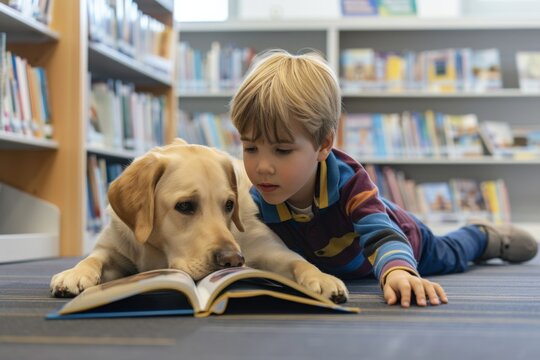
{"x": 452, "y": 252}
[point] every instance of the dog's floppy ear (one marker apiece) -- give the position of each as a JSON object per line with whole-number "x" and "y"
{"x": 179, "y": 141}
{"x": 131, "y": 195}
{"x": 229, "y": 169}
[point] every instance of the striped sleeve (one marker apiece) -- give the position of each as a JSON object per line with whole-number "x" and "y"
{"x": 385, "y": 246}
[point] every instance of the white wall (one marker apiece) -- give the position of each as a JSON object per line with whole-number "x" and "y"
{"x": 501, "y": 8}
{"x": 330, "y": 9}
{"x": 288, "y": 9}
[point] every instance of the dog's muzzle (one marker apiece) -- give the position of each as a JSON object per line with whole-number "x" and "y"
{"x": 229, "y": 258}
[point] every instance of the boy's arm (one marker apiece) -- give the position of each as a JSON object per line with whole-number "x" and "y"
{"x": 385, "y": 246}
{"x": 394, "y": 265}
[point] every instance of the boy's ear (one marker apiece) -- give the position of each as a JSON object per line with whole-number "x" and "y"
{"x": 326, "y": 147}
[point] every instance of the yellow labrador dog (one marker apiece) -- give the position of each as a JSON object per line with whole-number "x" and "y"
{"x": 187, "y": 207}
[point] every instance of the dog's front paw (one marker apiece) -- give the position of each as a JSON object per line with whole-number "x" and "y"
{"x": 72, "y": 282}
{"x": 327, "y": 285}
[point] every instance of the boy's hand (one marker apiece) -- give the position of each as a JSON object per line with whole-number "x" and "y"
{"x": 401, "y": 283}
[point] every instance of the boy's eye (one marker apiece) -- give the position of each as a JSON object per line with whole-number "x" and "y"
{"x": 250, "y": 149}
{"x": 283, "y": 151}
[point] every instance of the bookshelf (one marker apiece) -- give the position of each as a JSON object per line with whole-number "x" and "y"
{"x": 50, "y": 170}
{"x": 22, "y": 29}
{"x": 106, "y": 62}
{"x": 393, "y": 34}
{"x": 54, "y": 170}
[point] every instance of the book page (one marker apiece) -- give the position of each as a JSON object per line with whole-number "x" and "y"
{"x": 132, "y": 285}
{"x": 210, "y": 287}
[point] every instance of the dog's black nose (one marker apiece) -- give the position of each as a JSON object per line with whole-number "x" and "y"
{"x": 229, "y": 258}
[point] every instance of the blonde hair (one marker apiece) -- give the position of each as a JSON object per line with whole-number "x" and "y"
{"x": 283, "y": 89}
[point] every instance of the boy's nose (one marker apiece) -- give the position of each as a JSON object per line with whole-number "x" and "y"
{"x": 264, "y": 167}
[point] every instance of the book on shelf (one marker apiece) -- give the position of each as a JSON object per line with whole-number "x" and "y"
{"x": 3, "y": 81}
{"x": 394, "y": 70}
{"x": 528, "y": 66}
{"x": 37, "y": 9}
{"x": 394, "y": 187}
{"x": 497, "y": 137}
{"x": 121, "y": 26}
{"x": 378, "y": 7}
{"x": 503, "y": 141}
{"x": 495, "y": 195}
{"x": 457, "y": 200}
{"x": 100, "y": 173}
{"x": 486, "y": 69}
{"x": 97, "y": 192}
{"x": 357, "y": 135}
{"x": 410, "y": 134}
{"x": 24, "y": 96}
{"x": 463, "y": 136}
{"x": 209, "y": 129}
{"x": 436, "y": 202}
{"x": 441, "y": 70}
{"x": 121, "y": 118}
{"x": 173, "y": 292}
{"x": 468, "y": 198}
{"x": 397, "y": 7}
{"x": 222, "y": 67}
{"x": 359, "y": 7}
{"x": 358, "y": 67}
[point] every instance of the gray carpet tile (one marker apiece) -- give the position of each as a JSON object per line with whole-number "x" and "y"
{"x": 494, "y": 312}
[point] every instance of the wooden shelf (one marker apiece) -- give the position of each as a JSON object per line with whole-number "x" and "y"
{"x": 253, "y": 26}
{"x": 348, "y": 93}
{"x": 162, "y": 10}
{"x": 484, "y": 160}
{"x": 363, "y": 24}
{"x": 105, "y": 61}
{"x": 55, "y": 170}
{"x": 22, "y": 29}
{"x": 19, "y": 142}
{"x": 502, "y": 93}
{"x": 205, "y": 94}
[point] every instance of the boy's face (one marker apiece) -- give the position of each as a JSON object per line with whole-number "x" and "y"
{"x": 284, "y": 171}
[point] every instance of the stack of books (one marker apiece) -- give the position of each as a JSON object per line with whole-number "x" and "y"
{"x": 444, "y": 70}
{"x": 458, "y": 200}
{"x": 24, "y": 96}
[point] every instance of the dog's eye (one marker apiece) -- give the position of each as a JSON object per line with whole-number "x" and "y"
{"x": 229, "y": 206}
{"x": 185, "y": 207}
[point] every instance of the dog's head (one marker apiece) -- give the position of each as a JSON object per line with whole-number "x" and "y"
{"x": 183, "y": 200}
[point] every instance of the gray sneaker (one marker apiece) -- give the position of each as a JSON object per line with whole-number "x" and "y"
{"x": 507, "y": 242}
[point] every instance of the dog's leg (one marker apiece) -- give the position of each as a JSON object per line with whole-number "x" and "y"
{"x": 85, "y": 274}
{"x": 311, "y": 277}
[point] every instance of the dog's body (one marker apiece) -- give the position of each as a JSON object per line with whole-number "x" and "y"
{"x": 187, "y": 207}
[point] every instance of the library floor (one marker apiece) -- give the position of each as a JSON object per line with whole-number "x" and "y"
{"x": 494, "y": 313}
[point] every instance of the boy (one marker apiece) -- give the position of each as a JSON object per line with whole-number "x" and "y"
{"x": 323, "y": 204}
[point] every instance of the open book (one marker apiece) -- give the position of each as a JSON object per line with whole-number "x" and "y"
{"x": 173, "y": 292}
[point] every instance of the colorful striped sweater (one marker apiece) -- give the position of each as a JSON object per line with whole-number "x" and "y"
{"x": 354, "y": 232}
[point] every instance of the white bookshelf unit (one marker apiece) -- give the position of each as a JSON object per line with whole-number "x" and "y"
{"x": 508, "y": 104}
{"x": 30, "y": 206}
{"x": 29, "y": 226}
